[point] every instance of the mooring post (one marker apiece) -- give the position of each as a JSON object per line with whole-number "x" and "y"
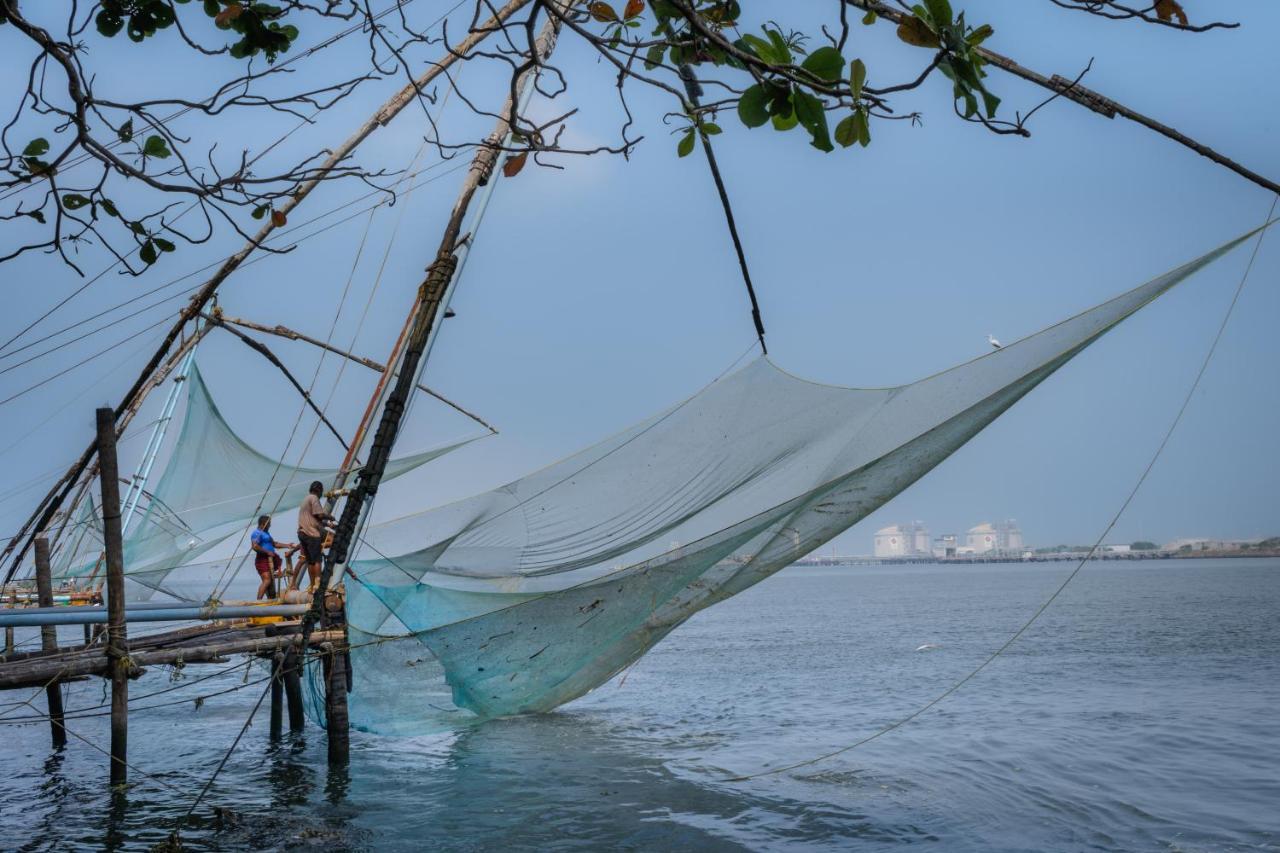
{"x": 49, "y": 642}
{"x": 335, "y": 710}
{"x": 117, "y": 638}
{"x": 293, "y": 688}
{"x": 88, "y": 638}
{"x": 277, "y": 694}
{"x": 8, "y": 640}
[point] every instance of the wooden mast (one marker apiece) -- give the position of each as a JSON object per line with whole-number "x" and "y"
{"x": 396, "y": 104}
{"x": 408, "y": 356}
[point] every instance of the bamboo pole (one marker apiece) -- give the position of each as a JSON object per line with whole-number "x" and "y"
{"x": 117, "y": 636}
{"x": 389, "y": 110}
{"x": 406, "y": 361}
{"x": 49, "y": 643}
{"x": 1086, "y": 98}
{"x": 90, "y": 472}
{"x": 290, "y": 334}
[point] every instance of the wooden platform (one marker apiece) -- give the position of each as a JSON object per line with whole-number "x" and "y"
{"x": 211, "y": 643}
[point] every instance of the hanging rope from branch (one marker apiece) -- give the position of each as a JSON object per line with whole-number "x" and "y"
{"x": 694, "y": 92}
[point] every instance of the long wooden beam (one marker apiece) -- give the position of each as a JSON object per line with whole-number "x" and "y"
{"x": 1084, "y": 97}
{"x": 290, "y": 334}
{"x": 41, "y": 671}
{"x": 389, "y": 110}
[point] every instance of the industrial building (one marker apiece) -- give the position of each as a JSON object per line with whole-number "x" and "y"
{"x": 903, "y": 540}
{"x": 1002, "y": 537}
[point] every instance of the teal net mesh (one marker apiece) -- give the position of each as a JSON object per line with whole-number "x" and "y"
{"x": 214, "y": 484}
{"x": 525, "y": 597}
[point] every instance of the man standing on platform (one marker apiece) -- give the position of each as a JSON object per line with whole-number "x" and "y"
{"x": 312, "y": 526}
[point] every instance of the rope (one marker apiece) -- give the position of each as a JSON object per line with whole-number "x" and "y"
{"x": 219, "y": 587}
{"x": 1177, "y": 418}
{"x": 694, "y": 91}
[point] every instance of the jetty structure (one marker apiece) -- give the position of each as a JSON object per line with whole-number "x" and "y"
{"x": 512, "y": 601}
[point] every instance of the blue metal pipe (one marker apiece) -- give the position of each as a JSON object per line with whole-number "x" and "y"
{"x": 38, "y": 616}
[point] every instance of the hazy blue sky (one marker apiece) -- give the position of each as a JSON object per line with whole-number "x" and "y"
{"x": 605, "y": 291}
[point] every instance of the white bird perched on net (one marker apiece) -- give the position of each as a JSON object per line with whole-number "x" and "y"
{"x": 994, "y": 343}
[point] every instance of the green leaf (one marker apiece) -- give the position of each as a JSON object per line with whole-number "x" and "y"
{"x": 762, "y": 49}
{"x": 138, "y": 228}
{"x": 940, "y": 11}
{"x": 156, "y": 147}
{"x": 780, "y": 45}
{"x": 862, "y": 127}
{"x": 857, "y": 76}
{"x": 811, "y": 114}
{"x": 148, "y": 252}
{"x": 753, "y": 106}
{"x": 846, "y": 132}
{"x": 37, "y": 215}
{"x": 826, "y": 63}
{"x": 165, "y": 245}
{"x": 211, "y": 8}
{"x": 126, "y": 131}
{"x": 869, "y": 18}
{"x": 979, "y": 35}
{"x": 653, "y": 56}
{"x": 710, "y": 128}
{"x": 785, "y": 121}
{"x": 108, "y": 23}
{"x": 74, "y": 201}
{"x": 685, "y": 148}
{"x": 260, "y": 211}
{"x": 110, "y": 207}
{"x": 991, "y": 102}
{"x": 36, "y": 147}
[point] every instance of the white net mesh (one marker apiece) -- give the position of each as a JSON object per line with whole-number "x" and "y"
{"x": 528, "y": 596}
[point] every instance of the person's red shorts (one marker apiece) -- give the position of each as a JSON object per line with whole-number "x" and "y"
{"x": 266, "y": 564}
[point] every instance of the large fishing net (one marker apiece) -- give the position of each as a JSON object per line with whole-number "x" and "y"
{"x": 213, "y": 479}
{"x": 523, "y": 598}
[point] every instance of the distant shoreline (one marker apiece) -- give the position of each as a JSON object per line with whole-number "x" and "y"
{"x": 1064, "y": 556}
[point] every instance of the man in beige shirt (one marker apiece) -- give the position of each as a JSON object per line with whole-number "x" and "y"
{"x": 312, "y": 526}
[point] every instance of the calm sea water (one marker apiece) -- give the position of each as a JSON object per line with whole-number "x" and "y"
{"x": 1142, "y": 712}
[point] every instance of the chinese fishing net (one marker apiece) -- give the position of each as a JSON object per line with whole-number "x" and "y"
{"x": 523, "y": 598}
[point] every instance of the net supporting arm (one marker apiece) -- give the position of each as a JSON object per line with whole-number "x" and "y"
{"x": 265, "y": 352}
{"x": 694, "y": 91}
{"x": 285, "y": 332}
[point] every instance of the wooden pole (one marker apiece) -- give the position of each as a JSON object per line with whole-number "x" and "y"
{"x": 8, "y": 641}
{"x": 293, "y": 688}
{"x": 410, "y": 348}
{"x": 277, "y": 695}
{"x": 117, "y": 638}
{"x": 410, "y": 94}
{"x": 335, "y": 712}
{"x": 49, "y": 642}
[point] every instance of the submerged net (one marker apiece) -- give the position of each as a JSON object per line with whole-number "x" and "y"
{"x": 523, "y": 598}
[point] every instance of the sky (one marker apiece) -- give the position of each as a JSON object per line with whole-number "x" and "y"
{"x": 606, "y": 290}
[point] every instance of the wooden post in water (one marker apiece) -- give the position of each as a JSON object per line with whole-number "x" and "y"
{"x": 117, "y": 638}
{"x": 49, "y": 642}
{"x": 277, "y": 695}
{"x": 8, "y": 641}
{"x": 335, "y": 710}
{"x": 293, "y": 688}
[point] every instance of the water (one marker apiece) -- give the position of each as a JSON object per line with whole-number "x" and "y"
{"x": 1140, "y": 713}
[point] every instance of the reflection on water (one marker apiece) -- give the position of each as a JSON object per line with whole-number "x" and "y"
{"x": 1138, "y": 715}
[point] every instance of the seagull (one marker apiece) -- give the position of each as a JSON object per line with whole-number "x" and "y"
{"x": 994, "y": 343}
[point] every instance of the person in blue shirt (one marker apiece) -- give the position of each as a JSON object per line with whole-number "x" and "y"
{"x": 265, "y": 557}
